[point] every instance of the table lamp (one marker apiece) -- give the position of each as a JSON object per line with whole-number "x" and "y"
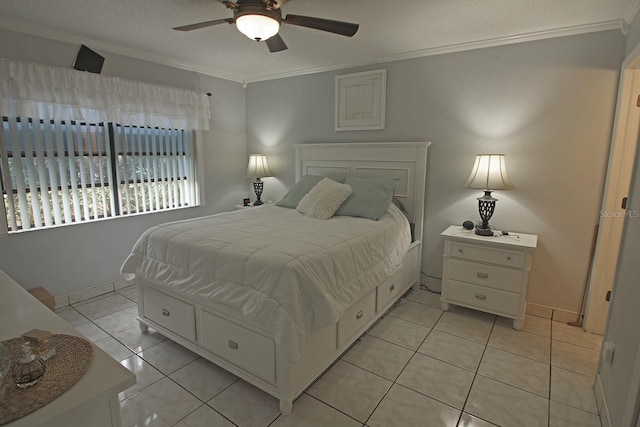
{"x": 258, "y": 168}
{"x": 489, "y": 173}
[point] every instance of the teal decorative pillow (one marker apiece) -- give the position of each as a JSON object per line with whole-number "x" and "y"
{"x": 370, "y": 198}
{"x": 302, "y": 187}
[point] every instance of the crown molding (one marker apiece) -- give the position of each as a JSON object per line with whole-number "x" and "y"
{"x": 112, "y": 48}
{"x": 617, "y": 24}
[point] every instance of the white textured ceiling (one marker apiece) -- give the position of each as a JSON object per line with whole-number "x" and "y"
{"x": 389, "y": 30}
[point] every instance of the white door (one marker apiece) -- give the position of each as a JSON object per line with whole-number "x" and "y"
{"x": 621, "y": 159}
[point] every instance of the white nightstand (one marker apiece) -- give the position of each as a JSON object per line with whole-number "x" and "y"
{"x": 238, "y": 207}
{"x": 487, "y": 273}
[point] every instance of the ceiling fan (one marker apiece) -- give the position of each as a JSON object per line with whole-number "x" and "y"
{"x": 260, "y": 20}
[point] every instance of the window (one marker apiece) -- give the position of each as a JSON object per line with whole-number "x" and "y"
{"x": 78, "y": 147}
{"x": 57, "y": 172}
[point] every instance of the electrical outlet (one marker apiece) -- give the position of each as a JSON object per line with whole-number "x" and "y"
{"x": 608, "y": 348}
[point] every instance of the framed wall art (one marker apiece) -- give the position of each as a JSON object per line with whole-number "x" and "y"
{"x": 360, "y": 100}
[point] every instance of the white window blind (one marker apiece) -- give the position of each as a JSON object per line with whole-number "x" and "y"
{"x": 77, "y": 146}
{"x": 155, "y": 169}
{"x": 56, "y": 172}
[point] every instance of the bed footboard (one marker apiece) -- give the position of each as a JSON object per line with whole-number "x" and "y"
{"x": 253, "y": 354}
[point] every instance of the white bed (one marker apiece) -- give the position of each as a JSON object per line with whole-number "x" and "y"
{"x": 275, "y": 296}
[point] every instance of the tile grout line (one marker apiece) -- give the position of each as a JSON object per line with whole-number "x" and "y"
{"x": 197, "y": 398}
{"x": 475, "y": 375}
{"x": 168, "y": 377}
{"x": 394, "y": 382}
{"x": 400, "y": 373}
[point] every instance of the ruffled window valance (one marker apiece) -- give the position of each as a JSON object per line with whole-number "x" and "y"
{"x": 44, "y": 92}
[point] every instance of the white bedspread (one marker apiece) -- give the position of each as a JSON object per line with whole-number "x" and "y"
{"x": 282, "y": 271}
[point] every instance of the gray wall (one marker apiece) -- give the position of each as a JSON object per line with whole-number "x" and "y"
{"x": 548, "y": 105}
{"x": 633, "y": 35}
{"x": 76, "y": 257}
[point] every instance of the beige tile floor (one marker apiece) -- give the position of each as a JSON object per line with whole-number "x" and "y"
{"x": 418, "y": 366}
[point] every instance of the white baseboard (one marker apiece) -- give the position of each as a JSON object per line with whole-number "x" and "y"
{"x": 121, "y": 283}
{"x": 547, "y": 312}
{"x": 85, "y": 294}
{"x": 431, "y": 283}
{"x": 565, "y": 316}
{"x": 539, "y": 310}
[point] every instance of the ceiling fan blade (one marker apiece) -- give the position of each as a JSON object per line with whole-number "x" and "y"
{"x": 276, "y": 44}
{"x": 204, "y": 24}
{"x": 338, "y": 27}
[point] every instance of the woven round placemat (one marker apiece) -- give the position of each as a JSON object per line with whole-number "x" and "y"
{"x": 71, "y": 361}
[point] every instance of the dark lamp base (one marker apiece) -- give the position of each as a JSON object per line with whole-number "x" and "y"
{"x": 484, "y": 231}
{"x": 486, "y": 207}
{"x": 258, "y": 185}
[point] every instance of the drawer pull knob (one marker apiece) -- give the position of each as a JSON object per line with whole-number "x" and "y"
{"x": 508, "y": 258}
{"x": 392, "y": 287}
{"x": 459, "y": 250}
{"x": 166, "y": 312}
{"x": 233, "y": 345}
{"x": 359, "y": 315}
{"x": 481, "y": 297}
{"x": 483, "y": 275}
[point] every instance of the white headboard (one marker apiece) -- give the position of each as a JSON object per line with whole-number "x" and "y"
{"x": 405, "y": 162}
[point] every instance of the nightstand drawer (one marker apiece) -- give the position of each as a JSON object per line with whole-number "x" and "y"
{"x": 486, "y": 275}
{"x": 486, "y": 299}
{"x": 486, "y": 254}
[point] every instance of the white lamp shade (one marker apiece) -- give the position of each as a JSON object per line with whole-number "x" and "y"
{"x": 257, "y": 27}
{"x": 489, "y": 172}
{"x": 258, "y": 167}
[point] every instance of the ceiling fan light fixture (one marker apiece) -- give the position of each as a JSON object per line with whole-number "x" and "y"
{"x": 257, "y": 27}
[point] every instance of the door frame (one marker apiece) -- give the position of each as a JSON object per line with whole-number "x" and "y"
{"x": 626, "y": 129}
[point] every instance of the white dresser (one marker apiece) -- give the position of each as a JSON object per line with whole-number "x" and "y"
{"x": 93, "y": 400}
{"x": 487, "y": 273}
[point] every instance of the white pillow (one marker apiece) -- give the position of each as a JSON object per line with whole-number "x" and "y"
{"x": 324, "y": 199}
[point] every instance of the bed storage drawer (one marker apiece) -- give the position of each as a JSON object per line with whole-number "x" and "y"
{"x": 356, "y": 316}
{"x": 175, "y": 315}
{"x": 389, "y": 289}
{"x": 246, "y": 349}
